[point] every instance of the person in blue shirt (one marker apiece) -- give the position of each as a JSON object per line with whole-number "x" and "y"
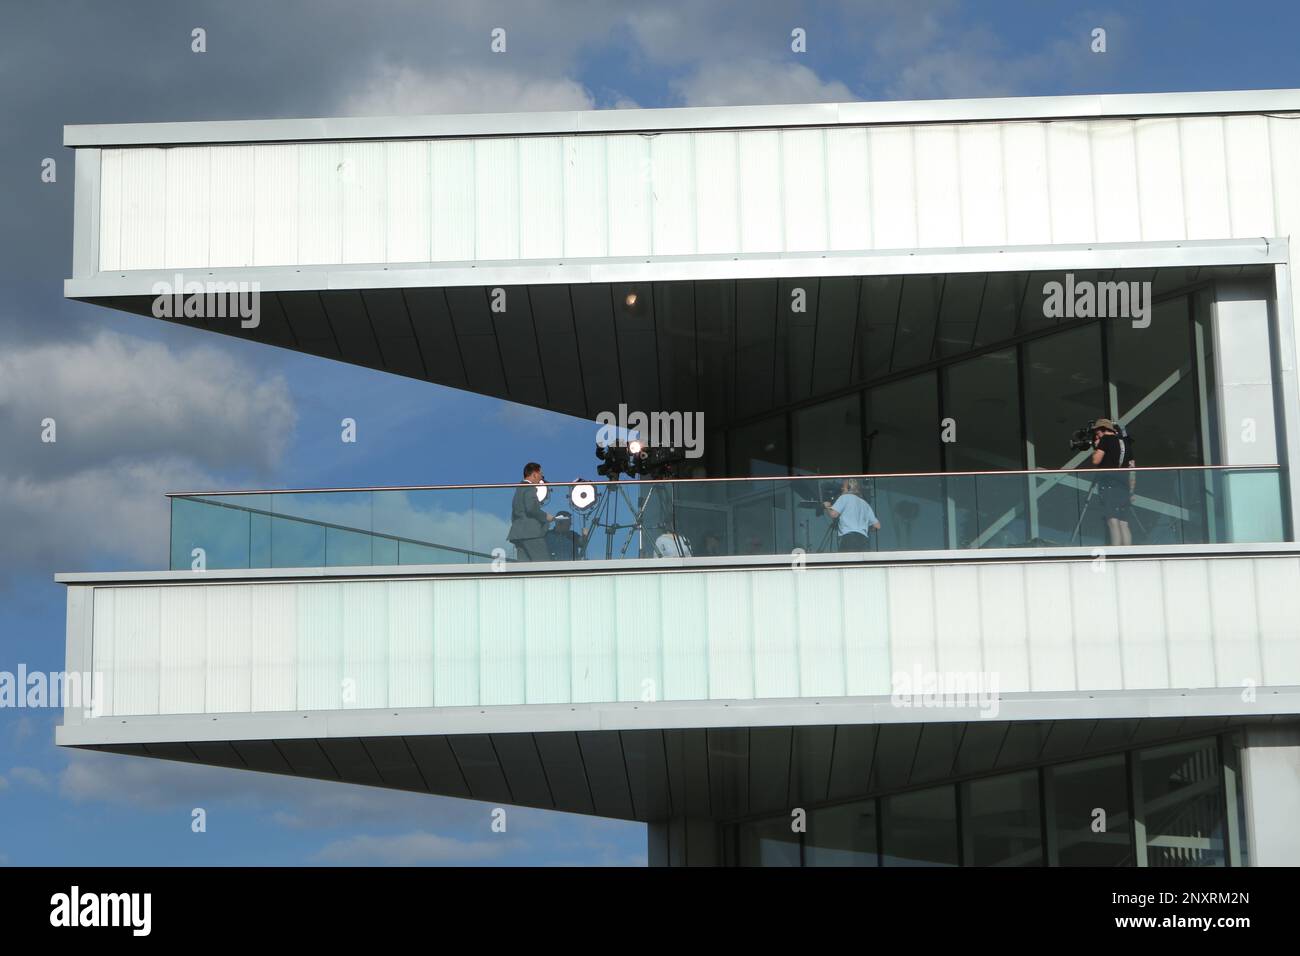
{"x": 855, "y": 517}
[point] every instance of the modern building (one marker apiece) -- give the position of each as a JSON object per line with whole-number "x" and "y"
{"x": 927, "y": 297}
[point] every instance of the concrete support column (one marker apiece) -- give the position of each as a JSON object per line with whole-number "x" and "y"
{"x": 1271, "y": 771}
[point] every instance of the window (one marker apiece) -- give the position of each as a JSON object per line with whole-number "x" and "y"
{"x": 842, "y": 836}
{"x": 920, "y": 829}
{"x": 828, "y": 438}
{"x": 1090, "y": 820}
{"x": 1002, "y": 822}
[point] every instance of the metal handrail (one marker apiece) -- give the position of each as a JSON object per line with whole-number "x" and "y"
{"x": 1041, "y": 472}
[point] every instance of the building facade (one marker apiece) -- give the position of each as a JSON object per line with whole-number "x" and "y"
{"x": 914, "y": 304}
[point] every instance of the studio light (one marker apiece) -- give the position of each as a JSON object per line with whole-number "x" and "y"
{"x": 635, "y": 447}
{"x": 630, "y": 300}
{"x": 582, "y": 496}
{"x": 542, "y": 492}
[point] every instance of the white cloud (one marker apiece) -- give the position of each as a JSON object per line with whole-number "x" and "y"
{"x": 405, "y": 90}
{"x": 4, "y": 784}
{"x": 413, "y": 849}
{"x": 31, "y": 777}
{"x": 750, "y": 82}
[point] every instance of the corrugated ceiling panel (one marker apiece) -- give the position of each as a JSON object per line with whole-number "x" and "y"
{"x": 717, "y": 187}
{"x": 983, "y": 191}
{"x": 182, "y": 650}
{"x": 1115, "y": 181}
{"x": 1003, "y": 627}
{"x": 1069, "y": 179}
{"x": 586, "y": 209}
{"x": 893, "y": 188}
{"x": 912, "y": 640}
{"x": 320, "y": 215}
{"x": 1160, "y": 180}
{"x": 639, "y": 666}
{"x": 686, "y": 642}
{"x": 627, "y": 172}
{"x": 455, "y": 654}
{"x": 1096, "y": 611}
{"x": 1205, "y": 177}
{"x": 761, "y": 191}
{"x": 805, "y": 190}
{"x": 1279, "y": 619}
{"x": 453, "y": 191}
{"x": 502, "y": 673}
{"x": 956, "y": 625}
{"x": 1051, "y": 638}
{"x": 1142, "y": 626}
{"x": 135, "y": 650}
{"x": 276, "y": 201}
{"x": 496, "y": 194}
{"x": 229, "y": 650}
{"x": 1024, "y": 154}
{"x": 234, "y": 207}
{"x": 408, "y": 226}
{"x": 938, "y": 187}
{"x": 541, "y": 198}
{"x": 731, "y": 635}
{"x": 592, "y": 640}
{"x": 144, "y": 214}
{"x": 410, "y": 644}
{"x": 848, "y": 182}
{"x": 820, "y": 623}
{"x": 364, "y": 196}
{"x": 103, "y": 645}
{"x": 548, "y": 669}
{"x": 1250, "y": 176}
{"x": 1234, "y": 624}
{"x": 188, "y": 204}
{"x": 672, "y": 211}
{"x": 776, "y": 636}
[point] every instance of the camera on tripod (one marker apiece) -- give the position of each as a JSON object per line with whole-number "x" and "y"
{"x": 1081, "y": 438}
{"x": 637, "y": 459}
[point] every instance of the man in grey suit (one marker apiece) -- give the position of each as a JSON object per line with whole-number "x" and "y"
{"x": 527, "y": 519}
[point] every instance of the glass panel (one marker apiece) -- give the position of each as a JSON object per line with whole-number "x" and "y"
{"x": 1151, "y": 374}
{"x": 1002, "y": 825}
{"x": 920, "y": 829}
{"x": 1063, "y": 391}
{"x": 828, "y": 438}
{"x": 759, "y": 449}
{"x": 981, "y": 395}
{"x": 769, "y": 843}
{"x": 1091, "y": 822}
{"x": 842, "y": 836}
{"x": 219, "y": 528}
{"x": 1182, "y": 804}
{"x": 903, "y": 426}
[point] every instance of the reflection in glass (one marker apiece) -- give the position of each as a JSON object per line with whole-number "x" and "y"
{"x": 920, "y": 828}
{"x": 1091, "y": 823}
{"x": 842, "y": 836}
{"x": 828, "y": 438}
{"x": 769, "y": 843}
{"x": 1182, "y": 804}
{"x": 1002, "y": 824}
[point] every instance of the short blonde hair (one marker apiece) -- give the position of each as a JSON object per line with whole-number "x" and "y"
{"x": 852, "y": 486}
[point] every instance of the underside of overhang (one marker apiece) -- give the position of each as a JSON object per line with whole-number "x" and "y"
{"x": 717, "y": 773}
{"x": 734, "y": 349}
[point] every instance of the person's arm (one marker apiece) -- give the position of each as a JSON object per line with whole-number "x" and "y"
{"x": 533, "y": 507}
{"x": 1097, "y": 457}
{"x": 831, "y": 509}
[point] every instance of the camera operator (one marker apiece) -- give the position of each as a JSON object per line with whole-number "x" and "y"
{"x": 854, "y": 516}
{"x": 1110, "y": 451}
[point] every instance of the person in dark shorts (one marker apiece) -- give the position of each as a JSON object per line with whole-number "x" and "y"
{"x": 1115, "y": 490}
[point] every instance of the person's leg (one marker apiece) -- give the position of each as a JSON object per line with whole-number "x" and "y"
{"x": 853, "y": 542}
{"x": 536, "y": 548}
{"x": 1113, "y": 533}
{"x": 1125, "y": 533}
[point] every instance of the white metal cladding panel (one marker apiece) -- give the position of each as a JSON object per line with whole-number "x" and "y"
{"x": 1205, "y": 178}
{"x": 273, "y": 628}
{"x": 685, "y": 637}
{"x": 455, "y": 641}
{"x": 684, "y": 193}
{"x": 366, "y": 635}
{"x": 717, "y": 193}
{"x": 363, "y": 174}
{"x": 408, "y": 209}
{"x": 546, "y": 644}
{"x": 496, "y": 199}
{"x": 410, "y": 644}
{"x": 320, "y": 647}
{"x": 183, "y": 645}
{"x": 228, "y": 684}
{"x": 672, "y": 170}
{"x": 1115, "y": 182}
{"x": 452, "y": 164}
{"x": 761, "y": 188}
{"x": 804, "y": 188}
{"x": 188, "y": 206}
{"x": 1090, "y": 626}
{"x": 135, "y": 617}
{"x": 627, "y": 174}
{"x": 848, "y": 187}
{"x": 541, "y": 198}
{"x": 938, "y": 187}
{"x": 592, "y": 637}
{"x": 320, "y": 214}
{"x": 275, "y": 216}
{"x": 233, "y": 209}
{"x": 893, "y": 187}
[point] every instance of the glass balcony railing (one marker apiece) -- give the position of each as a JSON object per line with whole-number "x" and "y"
{"x": 726, "y": 517}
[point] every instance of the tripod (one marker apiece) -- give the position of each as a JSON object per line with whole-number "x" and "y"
{"x": 603, "y": 515}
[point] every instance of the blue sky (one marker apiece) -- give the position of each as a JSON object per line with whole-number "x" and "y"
{"x": 139, "y": 422}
